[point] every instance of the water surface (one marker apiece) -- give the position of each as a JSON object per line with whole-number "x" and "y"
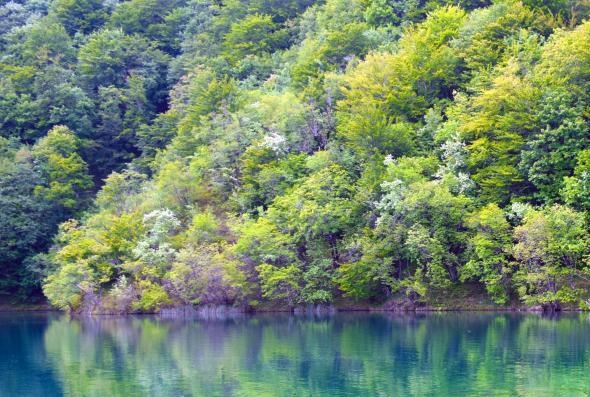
{"x": 280, "y": 355}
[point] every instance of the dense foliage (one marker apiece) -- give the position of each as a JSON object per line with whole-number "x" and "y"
{"x": 294, "y": 151}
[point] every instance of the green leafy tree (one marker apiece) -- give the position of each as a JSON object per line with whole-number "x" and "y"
{"x": 495, "y": 124}
{"x": 67, "y": 182}
{"x": 319, "y": 208}
{"x": 386, "y": 91}
{"x": 27, "y": 223}
{"x": 280, "y": 284}
{"x": 110, "y": 57}
{"x": 79, "y": 16}
{"x": 489, "y": 252}
{"x": 254, "y": 35}
{"x": 41, "y": 43}
{"x": 155, "y": 253}
{"x": 551, "y": 153}
{"x": 576, "y": 191}
{"x": 490, "y": 34}
{"x": 419, "y": 239}
{"x": 551, "y": 246}
{"x": 65, "y": 290}
{"x": 259, "y": 243}
{"x": 160, "y": 22}
{"x": 92, "y": 258}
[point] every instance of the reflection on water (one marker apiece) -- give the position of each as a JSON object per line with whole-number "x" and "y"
{"x": 280, "y": 355}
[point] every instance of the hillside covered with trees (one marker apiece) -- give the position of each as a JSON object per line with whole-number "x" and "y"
{"x": 161, "y": 153}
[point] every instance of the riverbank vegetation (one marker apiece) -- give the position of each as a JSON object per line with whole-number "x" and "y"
{"x": 156, "y": 154}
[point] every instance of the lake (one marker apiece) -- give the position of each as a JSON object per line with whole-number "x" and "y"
{"x": 439, "y": 354}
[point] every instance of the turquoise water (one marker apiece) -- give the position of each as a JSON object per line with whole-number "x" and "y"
{"x": 279, "y": 355}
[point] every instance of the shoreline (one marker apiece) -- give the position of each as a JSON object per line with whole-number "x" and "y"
{"x": 219, "y": 310}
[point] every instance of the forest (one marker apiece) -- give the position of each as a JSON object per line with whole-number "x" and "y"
{"x": 162, "y": 153}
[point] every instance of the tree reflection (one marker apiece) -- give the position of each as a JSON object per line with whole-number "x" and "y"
{"x": 280, "y": 355}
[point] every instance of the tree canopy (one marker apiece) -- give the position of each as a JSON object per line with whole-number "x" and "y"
{"x": 157, "y": 153}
